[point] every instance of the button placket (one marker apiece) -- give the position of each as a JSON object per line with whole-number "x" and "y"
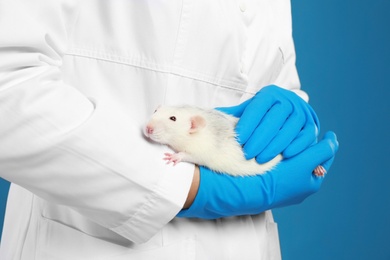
{"x": 243, "y": 9}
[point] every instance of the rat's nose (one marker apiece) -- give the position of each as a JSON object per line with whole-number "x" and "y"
{"x": 149, "y": 129}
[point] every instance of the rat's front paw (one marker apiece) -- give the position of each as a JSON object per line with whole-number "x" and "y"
{"x": 173, "y": 158}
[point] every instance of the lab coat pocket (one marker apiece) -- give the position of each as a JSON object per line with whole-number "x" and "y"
{"x": 85, "y": 240}
{"x": 62, "y": 215}
{"x": 180, "y": 250}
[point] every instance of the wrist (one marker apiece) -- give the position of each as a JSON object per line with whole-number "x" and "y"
{"x": 193, "y": 189}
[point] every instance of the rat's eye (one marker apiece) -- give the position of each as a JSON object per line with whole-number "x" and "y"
{"x": 173, "y": 118}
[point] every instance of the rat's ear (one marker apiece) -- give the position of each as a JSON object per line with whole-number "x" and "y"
{"x": 197, "y": 123}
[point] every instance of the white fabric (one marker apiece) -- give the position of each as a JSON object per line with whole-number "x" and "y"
{"x": 78, "y": 81}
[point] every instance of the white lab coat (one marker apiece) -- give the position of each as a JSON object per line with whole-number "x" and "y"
{"x": 78, "y": 81}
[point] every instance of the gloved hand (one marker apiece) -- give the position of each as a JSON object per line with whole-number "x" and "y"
{"x": 290, "y": 182}
{"x": 274, "y": 121}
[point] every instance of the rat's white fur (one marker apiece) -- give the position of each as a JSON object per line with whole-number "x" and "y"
{"x": 204, "y": 137}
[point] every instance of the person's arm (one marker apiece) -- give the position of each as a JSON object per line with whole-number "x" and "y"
{"x": 290, "y": 182}
{"x": 70, "y": 149}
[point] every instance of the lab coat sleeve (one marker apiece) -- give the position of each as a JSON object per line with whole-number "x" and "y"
{"x": 288, "y": 76}
{"x": 67, "y": 148}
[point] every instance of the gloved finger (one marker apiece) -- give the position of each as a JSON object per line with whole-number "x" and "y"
{"x": 252, "y": 116}
{"x": 333, "y": 137}
{"x": 316, "y": 180}
{"x": 290, "y": 130}
{"x": 304, "y": 139}
{"x": 266, "y": 131}
{"x": 322, "y": 152}
{"x": 235, "y": 110}
{"x": 314, "y": 116}
{"x": 328, "y": 163}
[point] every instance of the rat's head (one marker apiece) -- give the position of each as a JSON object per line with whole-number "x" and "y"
{"x": 173, "y": 125}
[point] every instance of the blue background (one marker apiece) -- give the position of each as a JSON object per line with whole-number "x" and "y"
{"x": 343, "y": 57}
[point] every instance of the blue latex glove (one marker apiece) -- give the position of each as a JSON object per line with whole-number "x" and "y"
{"x": 274, "y": 121}
{"x": 292, "y": 181}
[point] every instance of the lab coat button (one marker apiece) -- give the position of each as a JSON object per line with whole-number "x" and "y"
{"x": 242, "y": 6}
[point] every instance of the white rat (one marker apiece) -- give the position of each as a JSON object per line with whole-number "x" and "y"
{"x": 204, "y": 137}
